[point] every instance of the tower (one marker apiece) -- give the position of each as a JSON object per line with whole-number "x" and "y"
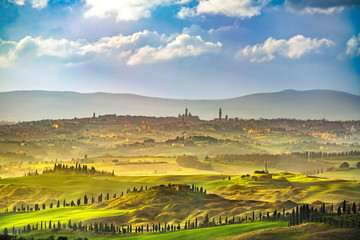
{"x": 220, "y": 114}
{"x": 186, "y": 112}
{"x": 266, "y": 166}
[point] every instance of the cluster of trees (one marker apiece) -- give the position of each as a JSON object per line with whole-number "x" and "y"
{"x": 16, "y": 157}
{"x": 321, "y": 154}
{"x": 80, "y": 201}
{"x": 344, "y": 220}
{"x": 197, "y": 189}
{"x": 344, "y": 166}
{"x": 301, "y": 215}
{"x": 190, "y": 161}
{"x": 304, "y": 214}
{"x": 347, "y": 208}
{"x": 190, "y": 141}
{"x": 314, "y": 172}
{"x": 11, "y": 237}
{"x": 77, "y": 169}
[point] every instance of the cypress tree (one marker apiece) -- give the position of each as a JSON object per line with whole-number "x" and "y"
{"x": 283, "y": 212}
{"x": 354, "y": 208}
{"x": 206, "y": 220}
{"x": 297, "y": 216}
{"x": 339, "y": 211}
{"x": 293, "y": 217}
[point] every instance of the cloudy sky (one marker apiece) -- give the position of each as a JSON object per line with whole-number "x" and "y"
{"x": 180, "y": 48}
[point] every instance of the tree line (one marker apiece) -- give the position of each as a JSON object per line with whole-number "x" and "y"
{"x": 72, "y": 170}
{"x": 347, "y": 215}
{"x": 321, "y": 154}
{"x": 148, "y": 228}
{"x": 90, "y": 200}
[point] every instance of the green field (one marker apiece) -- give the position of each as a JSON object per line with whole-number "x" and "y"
{"x": 194, "y": 234}
{"x": 283, "y": 186}
{"x": 348, "y": 175}
{"x": 76, "y": 214}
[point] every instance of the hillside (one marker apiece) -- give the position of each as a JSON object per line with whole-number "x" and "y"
{"x": 313, "y": 104}
{"x": 164, "y": 205}
{"x": 304, "y": 231}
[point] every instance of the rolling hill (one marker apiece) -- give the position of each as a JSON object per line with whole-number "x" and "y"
{"x": 312, "y": 104}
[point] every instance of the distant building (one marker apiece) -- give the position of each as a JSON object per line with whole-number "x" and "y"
{"x": 266, "y": 176}
{"x": 188, "y": 117}
{"x": 177, "y": 187}
{"x": 108, "y": 116}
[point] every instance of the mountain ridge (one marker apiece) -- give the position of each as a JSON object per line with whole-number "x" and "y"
{"x": 309, "y": 104}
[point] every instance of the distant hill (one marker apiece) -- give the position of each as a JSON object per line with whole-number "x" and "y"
{"x": 312, "y": 104}
{"x": 164, "y": 205}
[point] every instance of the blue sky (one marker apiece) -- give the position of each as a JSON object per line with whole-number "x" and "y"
{"x": 180, "y": 48}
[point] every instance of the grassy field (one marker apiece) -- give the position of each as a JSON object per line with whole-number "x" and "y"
{"x": 76, "y": 214}
{"x": 49, "y": 188}
{"x": 283, "y": 186}
{"x": 303, "y": 231}
{"x": 348, "y": 175}
{"x": 194, "y": 234}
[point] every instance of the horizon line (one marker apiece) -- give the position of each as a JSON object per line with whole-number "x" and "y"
{"x": 200, "y": 99}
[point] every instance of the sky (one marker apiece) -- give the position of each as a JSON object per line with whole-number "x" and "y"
{"x": 203, "y": 49}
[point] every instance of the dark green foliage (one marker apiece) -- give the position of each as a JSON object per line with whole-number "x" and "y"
{"x": 344, "y": 165}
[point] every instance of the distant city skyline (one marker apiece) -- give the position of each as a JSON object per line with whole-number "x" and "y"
{"x": 182, "y": 49}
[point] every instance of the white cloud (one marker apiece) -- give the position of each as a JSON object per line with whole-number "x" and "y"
{"x": 230, "y": 8}
{"x": 319, "y": 6}
{"x": 182, "y": 2}
{"x": 295, "y": 47}
{"x": 353, "y": 46}
{"x": 183, "y": 46}
{"x": 28, "y": 46}
{"x": 186, "y": 12}
{"x": 315, "y": 10}
{"x": 110, "y": 44}
{"x": 140, "y": 47}
{"x": 124, "y": 10}
{"x": 34, "y": 3}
